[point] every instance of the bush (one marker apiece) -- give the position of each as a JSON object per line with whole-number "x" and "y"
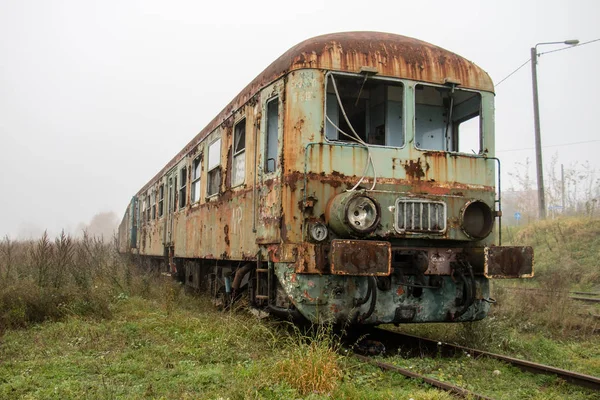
{"x": 48, "y": 280}
{"x": 311, "y": 363}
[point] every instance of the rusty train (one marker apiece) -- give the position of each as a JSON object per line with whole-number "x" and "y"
{"x": 352, "y": 181}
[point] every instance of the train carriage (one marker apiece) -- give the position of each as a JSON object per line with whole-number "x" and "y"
{"x": 352, "y": 181}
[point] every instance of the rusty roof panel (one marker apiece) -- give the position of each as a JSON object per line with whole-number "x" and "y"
{"x": 392, "y": 55}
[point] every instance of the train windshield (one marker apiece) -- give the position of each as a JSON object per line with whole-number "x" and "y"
{"x": 447, "y": 119}
{"x": 373, "y": 110}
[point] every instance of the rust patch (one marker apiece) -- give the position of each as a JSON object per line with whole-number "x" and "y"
{"x": 292, "y": 179}
{"x": 307, "y": 296}
{"x": 400, "y": 291}
{"x": 509, "y": 262}
{"x": 360, "y": 257}
{"x": 283, "y": 227}
{"x": 226, "y": 232}
{"x": 414, "y": 169}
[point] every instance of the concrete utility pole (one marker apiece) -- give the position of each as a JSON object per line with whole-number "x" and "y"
{"x": 536, "y": 120}
{"x": 562, "y": 180}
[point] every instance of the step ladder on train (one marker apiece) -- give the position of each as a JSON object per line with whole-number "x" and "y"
{"x": 263, "y": 294}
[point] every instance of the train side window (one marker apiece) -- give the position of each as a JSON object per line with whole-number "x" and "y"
{"x": 147, "y": 206}
{"x": 153, "y": 204}
{"x": 373, "y": 109}
{"x": 214, "y": 168}
{"x": 239, "y": 153}
{"x": 161, "y": 200}
{"x": 447, "y": 119}
{"x": 272, "y": 135}
{"x": 143, "y": 201}
{"x": 468, "y": 139}
{"x": 196, "y": 180}
{"x": 183, "y": 183}
{"x": 170, "y": 204}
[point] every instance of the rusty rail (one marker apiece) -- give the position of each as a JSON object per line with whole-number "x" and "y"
{"x": 549, "y": 292}
{"x": 585, "y": 299}
{"x": 448, "y": 387}
{"x": 575, "y": 378}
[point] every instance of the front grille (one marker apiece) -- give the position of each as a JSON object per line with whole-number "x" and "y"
{"x": 420, "y": 215}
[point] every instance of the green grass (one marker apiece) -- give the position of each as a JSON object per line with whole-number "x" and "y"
{"x": 193, "y": 351}
{"x": 78, "y": 321}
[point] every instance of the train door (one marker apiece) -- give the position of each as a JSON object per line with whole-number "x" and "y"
{"x": 133, "y": 222}
{"x": 269, "y": 168}
{"x": 171, "y": 189}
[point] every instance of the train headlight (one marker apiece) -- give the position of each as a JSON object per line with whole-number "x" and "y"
{"x": 352, "y": 214}
{"x": 477, "y": 219}
{"x": 362, "y": 214}
{"x": 317, "y": 231}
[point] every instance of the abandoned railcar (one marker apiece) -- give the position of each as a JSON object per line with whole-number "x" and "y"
{"x": 353, "y": 180}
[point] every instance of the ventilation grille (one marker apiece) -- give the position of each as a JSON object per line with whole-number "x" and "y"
{"x": 420, "y": 216}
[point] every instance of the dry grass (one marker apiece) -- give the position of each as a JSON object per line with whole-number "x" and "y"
{"x": 566, "y": 249}
{"x": 567, "y": 254}
{"x": 48, "y": 280}
{"x": 312, "y": 363}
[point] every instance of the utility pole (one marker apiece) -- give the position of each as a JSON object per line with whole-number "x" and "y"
{"x": 538, "y": 139}
{"x": 536, "y": 120}
{"x": 562, "y": 180}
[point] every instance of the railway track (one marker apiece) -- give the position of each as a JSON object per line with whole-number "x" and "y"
{"x": 448, "y": 387}
{"x": 588, "y": 297}
{"x": 395, "y": 340}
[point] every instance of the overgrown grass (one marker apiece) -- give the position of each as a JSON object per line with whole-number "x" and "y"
{"x": 567, "y": 251}
{"x": 100, "y": 328}
{"x": 193, "y": 351}
{"x": 311, "y": 363}
{"x": 48, "y": 280}
{"x": 97, "y": 327}
{"x": 536, "y": 319}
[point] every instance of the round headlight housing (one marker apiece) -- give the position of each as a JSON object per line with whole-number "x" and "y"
{"x": 477, "y": 219}
{"x": 362, "y": 214}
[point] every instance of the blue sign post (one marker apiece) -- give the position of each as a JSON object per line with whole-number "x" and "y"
{"x": 517, "y": 217}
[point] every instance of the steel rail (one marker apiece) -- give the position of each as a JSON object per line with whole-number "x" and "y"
{"x": 575, "y": 378}
{"x": 585, "y": 299}
{"x": 448, "y": 387}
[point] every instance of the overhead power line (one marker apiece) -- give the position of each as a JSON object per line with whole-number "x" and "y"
{"x": 546, "y": 52}
{"x": 512, "y": 73}
{"x": 569, "y": 47}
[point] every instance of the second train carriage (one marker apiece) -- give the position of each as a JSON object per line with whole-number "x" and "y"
{"x": 353, "y": 180}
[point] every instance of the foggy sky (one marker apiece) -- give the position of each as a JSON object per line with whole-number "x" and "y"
{"x": 95, "y": 97}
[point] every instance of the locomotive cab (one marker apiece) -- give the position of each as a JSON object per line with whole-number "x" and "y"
{"x": 399, "y": 199}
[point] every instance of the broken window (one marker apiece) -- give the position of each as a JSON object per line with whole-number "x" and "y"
{"x": 214, "y": 168}
{"x": 161, "y": 199}
{"x": 373, "y": 107}
{"x": 153, "y": 204}
{"x": 272, "y": 135}
{"x": 196, "y": 180}
{"x": 239, "y": 153}
{"x": 183, "y": 182}
{"x": 447, "y": 119}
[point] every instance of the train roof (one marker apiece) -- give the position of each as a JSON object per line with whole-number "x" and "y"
{"x": 392, "y": 55}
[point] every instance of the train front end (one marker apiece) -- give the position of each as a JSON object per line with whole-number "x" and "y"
{"x": 394, "y": 205}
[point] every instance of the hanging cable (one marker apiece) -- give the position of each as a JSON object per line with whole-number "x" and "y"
{"x": 512, "y": 73}
{"x": 569, "y": 47}
{"x": 355, "y": 137}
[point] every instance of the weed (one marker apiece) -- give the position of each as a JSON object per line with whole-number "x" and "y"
{"x": 311, "y": 363}
{"x": 48, "y": 280}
